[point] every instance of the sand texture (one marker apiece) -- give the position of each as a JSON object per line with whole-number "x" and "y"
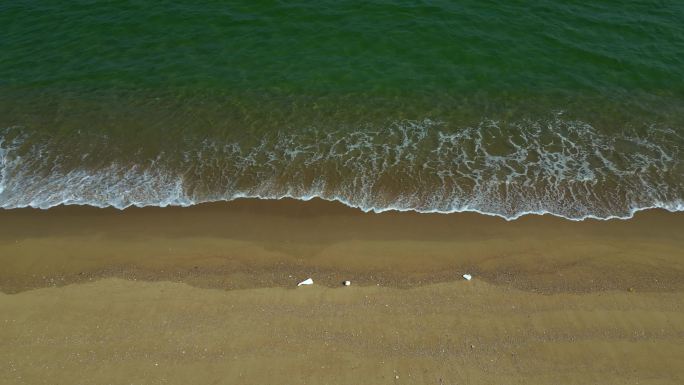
{"x": 207, "y": 295}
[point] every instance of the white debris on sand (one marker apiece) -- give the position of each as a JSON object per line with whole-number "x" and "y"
{"x": 307, "y": 281}
{"x": 467, "y": 277}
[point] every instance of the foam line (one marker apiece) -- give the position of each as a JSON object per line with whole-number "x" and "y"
{"x": 554, "y": 167}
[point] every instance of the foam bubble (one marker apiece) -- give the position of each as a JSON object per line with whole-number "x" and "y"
{"x": 554, "y": 166}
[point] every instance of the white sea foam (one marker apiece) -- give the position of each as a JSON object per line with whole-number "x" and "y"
{"x": 559, "y": 167}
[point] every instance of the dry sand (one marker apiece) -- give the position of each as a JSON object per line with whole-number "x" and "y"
{"x": 206, "y": 295}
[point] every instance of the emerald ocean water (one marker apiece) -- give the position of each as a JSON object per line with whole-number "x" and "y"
{"x": 505, "y": 108}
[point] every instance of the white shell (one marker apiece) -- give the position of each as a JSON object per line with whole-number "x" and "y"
{"x": 307, "y": 281}
{"x": 467, "y": 277}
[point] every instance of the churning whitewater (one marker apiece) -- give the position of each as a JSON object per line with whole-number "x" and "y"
{"x": 562, "y": 167}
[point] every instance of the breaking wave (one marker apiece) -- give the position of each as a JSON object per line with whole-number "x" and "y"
{"x": 555, "y": 166}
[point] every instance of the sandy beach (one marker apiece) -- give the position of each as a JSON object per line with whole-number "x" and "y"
{"x": 207, "y": 294}
{"x": 479, "y": 193}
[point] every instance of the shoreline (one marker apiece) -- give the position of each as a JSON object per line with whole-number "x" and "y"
{"x": 207, "y": 294}
{"x": 673, "y": 207}
{"x": 259, "y": 243}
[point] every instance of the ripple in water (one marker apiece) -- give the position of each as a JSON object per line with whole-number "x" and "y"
{"x": 557, "y": 166}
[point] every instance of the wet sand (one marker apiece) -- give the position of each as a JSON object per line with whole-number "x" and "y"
{"x": 207, "y": 295}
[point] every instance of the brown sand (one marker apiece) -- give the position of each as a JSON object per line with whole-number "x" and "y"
{"x": 205, "y": 295}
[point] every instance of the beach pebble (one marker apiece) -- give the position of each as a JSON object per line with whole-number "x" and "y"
{"x": 467, "y": 277}
{"x": 346, "y": 283}
{"x": 307, "y": 281}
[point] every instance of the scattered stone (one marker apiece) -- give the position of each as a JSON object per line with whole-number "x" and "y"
{"x": 307, "y": 281}
{"x": 467, "y": 277}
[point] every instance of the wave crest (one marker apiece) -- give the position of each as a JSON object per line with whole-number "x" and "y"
{"x": 557, "y": 166}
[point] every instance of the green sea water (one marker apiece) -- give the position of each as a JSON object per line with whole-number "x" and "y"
{"x": 573, "y": 108}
